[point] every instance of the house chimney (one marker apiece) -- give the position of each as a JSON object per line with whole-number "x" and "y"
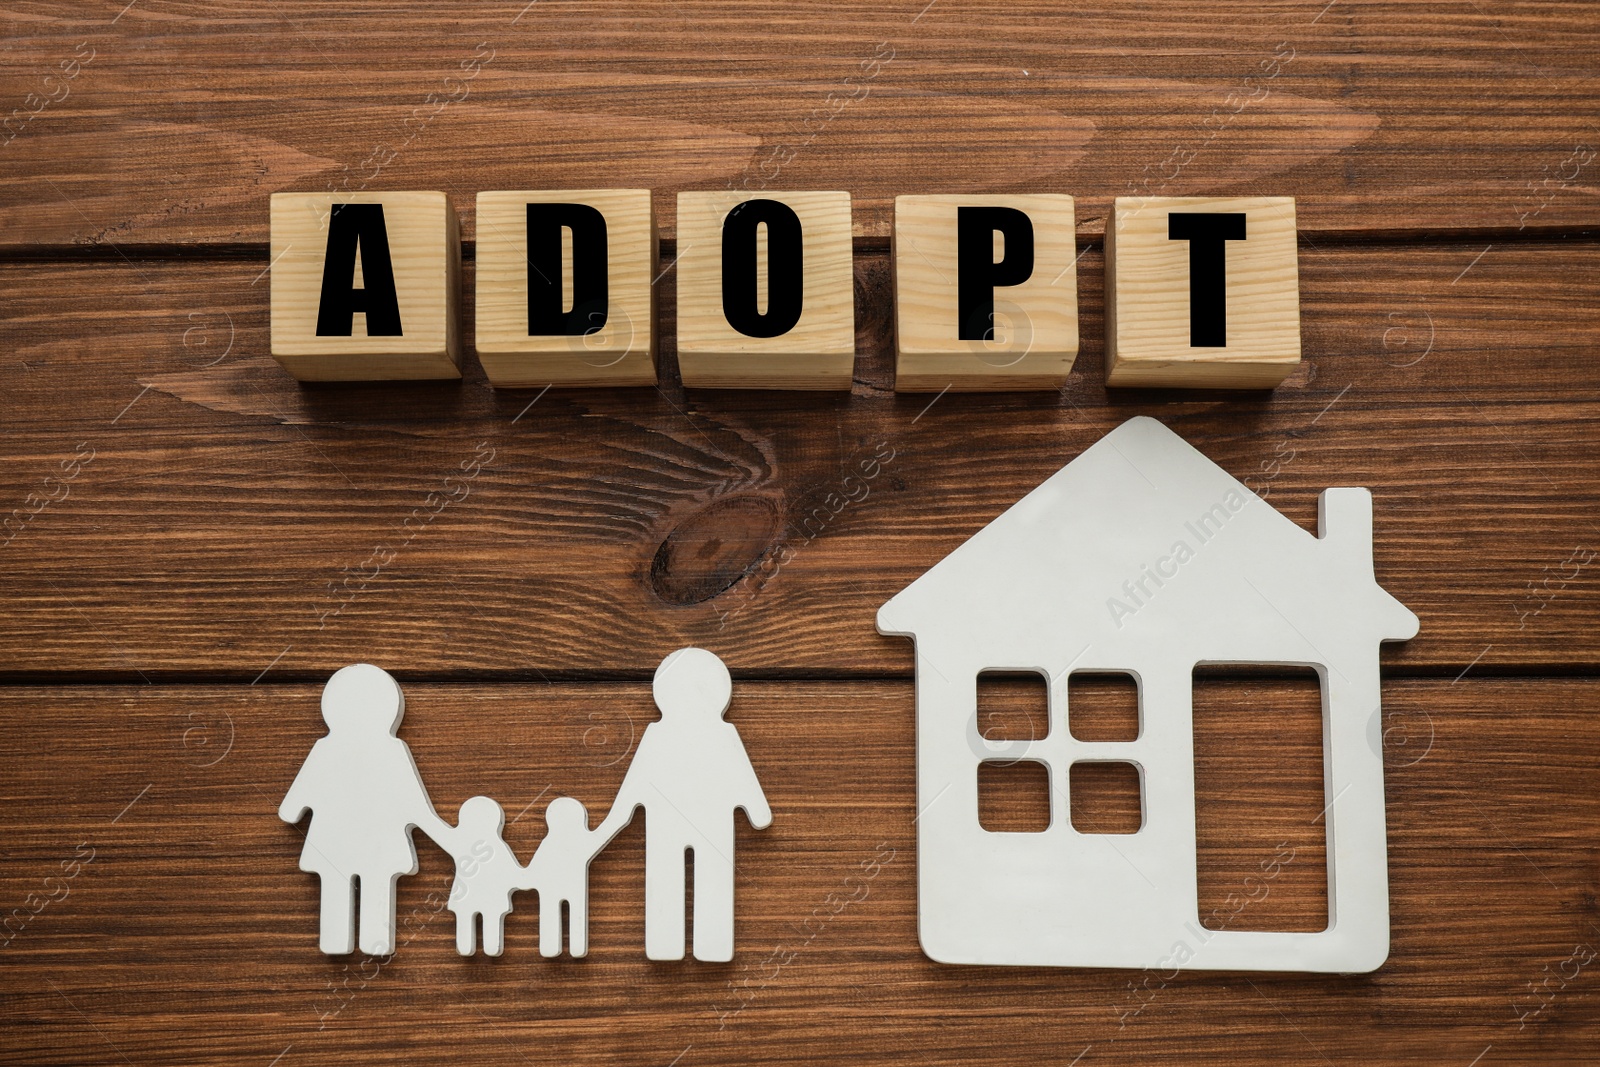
{"x": 1344, "y": 521}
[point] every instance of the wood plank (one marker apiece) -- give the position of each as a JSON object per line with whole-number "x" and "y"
{"x": 1383, "y": 116}
{"x": 224, "y": 518}
{"x": 190, "y": 934}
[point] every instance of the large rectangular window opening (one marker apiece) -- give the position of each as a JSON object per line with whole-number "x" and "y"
{"x": 1260, "y": 827}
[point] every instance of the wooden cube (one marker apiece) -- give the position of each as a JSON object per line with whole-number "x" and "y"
{"x": 564, "y": 284}
{"x": 986, "y": 292}
{"x": 784, "y": 315}
{"x": 365, "y": 286}
{"x": 1202, "y": 292}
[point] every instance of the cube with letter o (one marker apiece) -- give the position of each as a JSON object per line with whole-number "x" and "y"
{"x": 766, "y": 290}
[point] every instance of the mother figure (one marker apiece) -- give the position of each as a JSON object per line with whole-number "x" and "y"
{"x": 366, "y": 796}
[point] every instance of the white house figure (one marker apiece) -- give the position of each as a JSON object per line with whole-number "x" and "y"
{"x": 1141, "y": 556}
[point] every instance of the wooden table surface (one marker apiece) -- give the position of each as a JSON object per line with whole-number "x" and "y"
{"x": 195, "y": 541}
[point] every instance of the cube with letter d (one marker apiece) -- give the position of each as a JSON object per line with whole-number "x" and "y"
{"x": 365, "y": 286}
{"x": 766, "y": 290}
{"x": 564, "y": 287}
{"x": 986, "y": 292}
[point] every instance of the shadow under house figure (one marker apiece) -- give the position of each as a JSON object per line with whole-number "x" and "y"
{"x": 486, "y": 874}
{"x": 689, "y": 774}
{"x": 365, "y": 795}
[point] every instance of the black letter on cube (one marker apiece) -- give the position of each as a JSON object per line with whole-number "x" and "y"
{"x": 976, "y": 270}
{"x": 352, "y": 227}
{"x": 785, "y": 268}
{"x": 591, "y": 297}
{"x": 1207, "y": 232}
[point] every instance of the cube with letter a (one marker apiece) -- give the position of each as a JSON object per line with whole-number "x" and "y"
{"x": 564, "y": 287}
{"x": 986, "y": 292}
{"x": 766, "y": 290}
{"x": 1202, "y": 292}
{"x": 365, "y": 286}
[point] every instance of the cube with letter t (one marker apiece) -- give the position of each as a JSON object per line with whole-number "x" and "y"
{"x": 986, "y": 292}
{"x": 364, "y": 286}
{"x": 565, "y": 293}
{"x": 766, "y": 290}
{"x": 1202, "y": 292}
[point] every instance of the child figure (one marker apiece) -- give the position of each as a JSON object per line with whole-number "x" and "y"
{"x": 486, "y": 874}
{"x": 559, "y": 870}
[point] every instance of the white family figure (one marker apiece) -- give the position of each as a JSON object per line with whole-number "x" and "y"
{"x": 365, "y": 796}
{"x": 486, "y": 874}
{"x": 690, "y": 774}
{"x": 559, "y": 870}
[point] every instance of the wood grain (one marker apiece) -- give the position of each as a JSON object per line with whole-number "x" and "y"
{"x": 175, "y": 509}
{"x": 190, "y": 934}
{"x": 1380, "y": 116}
{"x": 231, "y": 516}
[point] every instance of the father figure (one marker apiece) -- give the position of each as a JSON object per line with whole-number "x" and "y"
{"x": 689, "y": 774}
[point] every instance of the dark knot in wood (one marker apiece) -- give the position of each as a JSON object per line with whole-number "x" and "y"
{"x": 708, "y": 552}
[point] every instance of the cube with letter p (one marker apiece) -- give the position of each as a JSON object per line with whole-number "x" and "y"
{"x": 986, "y": 292}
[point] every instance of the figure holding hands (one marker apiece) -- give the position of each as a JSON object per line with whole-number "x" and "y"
{"x": 364, "y": 793}
{"x": 362, "y": 787}
{"x": 690, "y": 774}
{"x": 559, "y": 870}
{"x": 486, "y": 874}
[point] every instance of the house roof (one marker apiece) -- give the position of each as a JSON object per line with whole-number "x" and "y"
{"x": 1141, "y": 537}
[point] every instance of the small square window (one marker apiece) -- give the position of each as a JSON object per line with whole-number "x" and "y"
{"x": 1106, "y": 797}
{"x": 1013, "y": 706}
{"x": 1014, "y": 796}
{"x": 1103, "y": 707}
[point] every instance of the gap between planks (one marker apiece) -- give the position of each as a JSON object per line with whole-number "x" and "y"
{"x": 508, "y": 678}
{"x": 862, "y": 246}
